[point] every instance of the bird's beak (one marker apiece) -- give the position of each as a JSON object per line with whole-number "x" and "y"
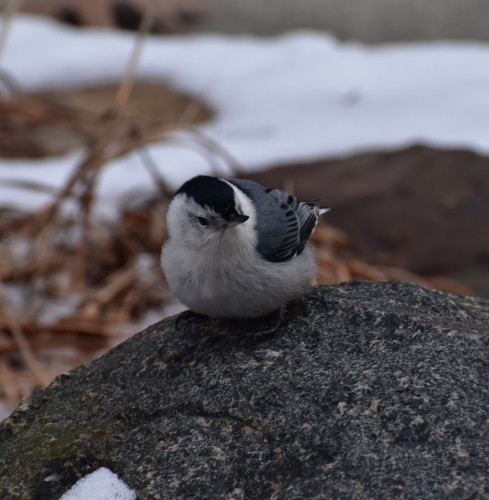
{"x": 237, "y": 219}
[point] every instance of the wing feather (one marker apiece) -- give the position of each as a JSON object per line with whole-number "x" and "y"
{"x": 284, "y": 224}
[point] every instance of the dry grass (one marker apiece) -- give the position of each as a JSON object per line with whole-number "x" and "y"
{"x": 340, "y": 261}
{"x": 107, "y": 272}
{"x": 70, "y": 282}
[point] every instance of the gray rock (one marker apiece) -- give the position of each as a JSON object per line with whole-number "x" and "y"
{"x": 380, "y": 392}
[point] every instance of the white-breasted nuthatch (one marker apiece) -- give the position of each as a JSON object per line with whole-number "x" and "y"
{"x": 236, "y": 249}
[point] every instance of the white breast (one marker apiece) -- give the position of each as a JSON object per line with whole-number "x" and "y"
{"x": 227, "y": 278}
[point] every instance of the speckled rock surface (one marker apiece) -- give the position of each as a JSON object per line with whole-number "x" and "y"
{"x": 380, "y": 392}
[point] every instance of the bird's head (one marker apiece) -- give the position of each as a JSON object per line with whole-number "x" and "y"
{"x": 203, "y": 209}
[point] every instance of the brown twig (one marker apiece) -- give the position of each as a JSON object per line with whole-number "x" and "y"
{"x": 10, "y": 9}
{"x": 362, "y": 270}
{"x": 119, "y": 281}
{"x": 84, "y": 327}
{"x": 216, "y": 149}
{"x": 189, "y": 114}
{"x": 28, "y": 185}
{"x": 21, "y": 341}
{"x": 127, "y": 82}
{"x": 148, "y": 161}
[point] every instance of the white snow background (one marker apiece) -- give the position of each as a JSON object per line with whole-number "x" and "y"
{"x": 300, "y": 96}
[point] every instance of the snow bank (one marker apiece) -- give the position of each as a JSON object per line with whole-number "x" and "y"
{"x": 301, "y": 96}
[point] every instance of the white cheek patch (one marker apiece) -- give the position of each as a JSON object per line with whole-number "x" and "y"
{"x": 182, "y": 216}
{"x": 245, "y": 203}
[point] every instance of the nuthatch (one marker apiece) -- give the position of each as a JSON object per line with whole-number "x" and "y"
{"x": 236, "y": 249}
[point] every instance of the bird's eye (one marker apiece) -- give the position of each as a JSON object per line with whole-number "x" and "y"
{"x": 203, "y": 221}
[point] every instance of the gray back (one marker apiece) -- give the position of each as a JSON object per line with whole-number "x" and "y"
{"x": 284, "y": 224}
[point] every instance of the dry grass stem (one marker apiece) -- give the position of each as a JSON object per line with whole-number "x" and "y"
{"x": 127, "y": 81}
{"x": 11, "y": 7}
{"x": 216, "y": 150}
{"x": 21, "y": 342}
{"x": 114, "y": 285}
{"x": 362, "y": 270}
{"x": 189, "y": 114}
{"x": 152, "y": 168}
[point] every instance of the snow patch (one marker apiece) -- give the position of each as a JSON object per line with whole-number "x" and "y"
{"x": 102, "y": 484}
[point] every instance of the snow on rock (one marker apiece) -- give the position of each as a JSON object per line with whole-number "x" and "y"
{"x": 102, "y": 484}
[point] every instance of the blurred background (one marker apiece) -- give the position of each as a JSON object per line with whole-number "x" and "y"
{"x": 378, "y": 107}
{"x": 370, "y": 21}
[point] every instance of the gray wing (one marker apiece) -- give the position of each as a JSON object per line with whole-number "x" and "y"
{"x": 284, "y": 224}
